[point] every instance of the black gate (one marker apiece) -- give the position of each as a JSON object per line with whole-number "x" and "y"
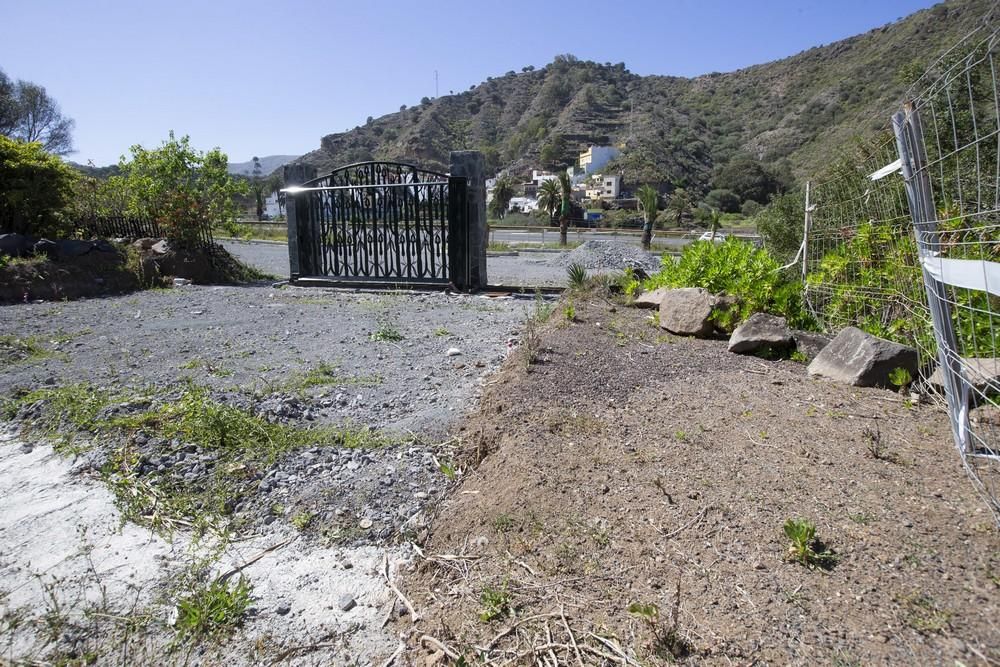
{"x": 380, "y": 222}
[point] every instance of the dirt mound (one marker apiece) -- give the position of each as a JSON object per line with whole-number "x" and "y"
{"x": 632, "y": 499}
{"x": 600, "y": 256}
{"x": 108, "y": 268}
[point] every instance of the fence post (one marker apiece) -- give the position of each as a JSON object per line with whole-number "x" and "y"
{"x": 472, "y": 166}
{"x": 296, "y": 174}
{"x": 913, "y": 159}
{"x": 805, "y": 234}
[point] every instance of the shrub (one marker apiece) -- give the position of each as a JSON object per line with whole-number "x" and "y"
{"x": 37, "y": 190}
{"x": 736, "y": 268}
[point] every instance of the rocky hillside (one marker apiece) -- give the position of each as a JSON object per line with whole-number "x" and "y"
{"x": 790, "y": 113}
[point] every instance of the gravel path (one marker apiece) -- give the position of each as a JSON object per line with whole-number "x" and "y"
{"x": 541, "y": 269}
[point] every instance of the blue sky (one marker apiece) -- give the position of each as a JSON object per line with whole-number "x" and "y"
{"x": 263, "y": 78}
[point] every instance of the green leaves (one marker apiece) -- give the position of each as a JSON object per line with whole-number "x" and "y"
{"x": 803, "y": 546}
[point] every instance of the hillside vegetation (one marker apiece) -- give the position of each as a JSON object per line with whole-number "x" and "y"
{"x": 791, "y": 114}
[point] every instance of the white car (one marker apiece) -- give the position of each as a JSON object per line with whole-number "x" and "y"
{"x": 707, "y": 236}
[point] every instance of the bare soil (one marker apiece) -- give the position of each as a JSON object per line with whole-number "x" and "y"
{"x": 629, "y": 466}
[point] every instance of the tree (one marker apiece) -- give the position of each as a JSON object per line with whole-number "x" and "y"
{"x": 566, "y": 206}
{"x": 726, "y": 201}
{"x": 549, "y": 197}
{"x": 679, "y": 205}
{"x": 503, "y": 192}
{"x": 184, "y": 190}
{"x": 27, "y": 113}
{"x": 649, "y": 201}
{"x": 749, "y": 179}
{"x": 257, "y": 187}
{"x": 781, "y": 224}
{"x": 37, "y": 190}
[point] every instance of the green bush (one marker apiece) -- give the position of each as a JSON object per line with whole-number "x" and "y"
{"x": 738, "y": 269}
{"x": 36, "y": 190}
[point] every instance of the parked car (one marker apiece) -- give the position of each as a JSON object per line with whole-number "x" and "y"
{"x": 707, "y": 236}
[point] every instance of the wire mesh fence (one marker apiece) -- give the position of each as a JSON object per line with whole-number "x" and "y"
{"x": 903, "y": 241}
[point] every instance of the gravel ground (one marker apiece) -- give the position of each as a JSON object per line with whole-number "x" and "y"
{"x": 603, "y": 256}
{"x": 408, "y": 364}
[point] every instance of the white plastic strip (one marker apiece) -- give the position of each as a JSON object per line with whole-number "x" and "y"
{"x": 969, "y": 273}
{"x": 891, "y": 168}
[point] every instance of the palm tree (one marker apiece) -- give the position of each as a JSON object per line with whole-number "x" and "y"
{"x": 503, "y": 192}
{"x": 649, "y": 200}
{"x": 716, "y": 216}
{"x": 679, "y": 204}
{"x": 566, "y": 192}
{"x": 549, "y": 198}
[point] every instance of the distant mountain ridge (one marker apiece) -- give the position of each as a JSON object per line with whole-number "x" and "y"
{"x": 267, "y": 165}
{"x": 793, "y": 113}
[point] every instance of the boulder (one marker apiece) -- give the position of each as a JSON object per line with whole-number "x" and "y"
{"x": 15, "y": 245}
{"x": 860, "y": 359}
{"x": 761, "y": 333}
{"x": 650, "y": 299}
{"x": 46, "y": 247}
{"x": 103, "y": 246}
{"x": 74, "y": 247}
{"x": 809, "y": 344}
{"x": 981, "y": 373}
{"x": 160, "y": 247}
{"x": 687, "y": 312}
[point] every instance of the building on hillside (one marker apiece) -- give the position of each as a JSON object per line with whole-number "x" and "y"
{"x": 604, "y": 187}
{"x": 523, "y": 204}
{"x": 595, "y": 157}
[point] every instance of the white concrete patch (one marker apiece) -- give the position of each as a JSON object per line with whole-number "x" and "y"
{"x": 61, "y": 536}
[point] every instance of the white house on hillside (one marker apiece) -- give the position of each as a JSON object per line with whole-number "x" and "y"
{"x": 595, "y": 157}
{"x": 273, "y": 206}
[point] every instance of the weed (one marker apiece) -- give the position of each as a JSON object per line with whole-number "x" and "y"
{"x": 877, "y": 447}
{"x": 326, "y": 374}
{"x": 496, "y": 603}
{"x": 441, "y": 332}
{"x": 577, "y": 274}
{"x": 15, "y": 350}
{"x": 570, "y": 312}
{"x": 862, "y": 518}
{"x": 900, "y": 378}
{"x": 680, "y": 435}
{"x": 302, "y": 520}
{"x": 804, "y": 548}
{"x": 386, "y": 333}
{"x": 798, "y": 357}
{"x": 447, "y": 470}
{"x": 924, "y": 615}
{"x": 503, "y": 523}
{"x": 668, "y": 643}
{"x": 213, "y": 610}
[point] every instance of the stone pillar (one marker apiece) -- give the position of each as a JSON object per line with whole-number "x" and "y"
{"x": 296, "y": 174}
{"x": 471, "y": 166}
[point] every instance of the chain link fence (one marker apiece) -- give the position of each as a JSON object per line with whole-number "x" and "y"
{"x": 902, "y": 239}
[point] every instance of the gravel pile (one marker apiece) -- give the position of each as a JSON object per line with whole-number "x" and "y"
{"x": 608, "y": 256}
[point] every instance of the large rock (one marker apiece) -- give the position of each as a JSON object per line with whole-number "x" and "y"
{"x": 860, "y": 359}
{"x": 15, "y": 245}
{"x": 687, "y": 312}
{"x": 809, "y": 344}
{"x": 981, "y": 373}
{"x": 651, "y": 299}
{"x": 74, "y": 247}
{"x": 761, "y": 334}
{"x": 46, "y": 247}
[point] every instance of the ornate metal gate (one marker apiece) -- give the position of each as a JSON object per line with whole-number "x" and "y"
{"x": 380, "y": 222}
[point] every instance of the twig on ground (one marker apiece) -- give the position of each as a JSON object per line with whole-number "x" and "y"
{"x": 572, "y": 638}
{"x": 392, "y": 658}
{"x": 512, "y": 627}
{"x": 289, "y": 652}
{"x": 439, "y": 645}
{"x": 240, "y": 568}
{"x": 414, "y": 617}
{"x": 698, "y": 518}
{"x": 616, "y": 649}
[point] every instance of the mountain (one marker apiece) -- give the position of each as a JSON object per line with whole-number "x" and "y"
{"x": 267, "y": 165}
{"x": 791, "y": 114}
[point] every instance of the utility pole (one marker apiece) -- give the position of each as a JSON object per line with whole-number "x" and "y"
{"x": 435, "y": 83}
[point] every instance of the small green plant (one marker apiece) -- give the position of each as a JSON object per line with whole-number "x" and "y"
{"x": 447, "y": 470}
{"x": 14, "y": 349}
{"x": 804, "y": 548}
{"x": 924, "y": 615}
{"x": 386, "y": 333}
{"x": 900, "y": 378}
{"x": 629, "y": 284}
{"x": 213, "y": 610}
{"x": 503, "y": 523}
{"x": 441, "y": 332}
{"x": 570, "y": 312}
{"x": 496, "y": 603}
{"x": 668, "y": 643}
{"x": 577, "y": 274}
{"x": 876, "y": 446}
{"x": 798, "y": 357}
{"x": 302, "y": 520}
